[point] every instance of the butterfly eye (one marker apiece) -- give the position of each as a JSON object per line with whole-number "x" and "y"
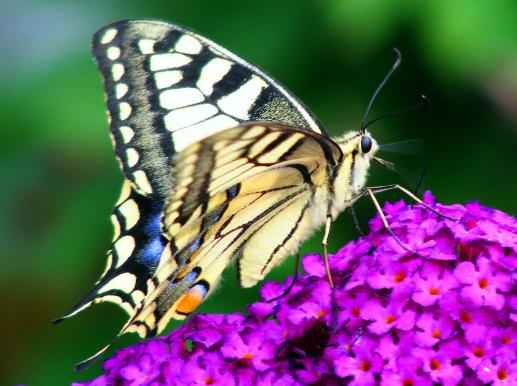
{"x": 366, "y": 144}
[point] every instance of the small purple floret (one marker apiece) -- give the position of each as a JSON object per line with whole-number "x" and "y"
{"x": 444, "y": 312}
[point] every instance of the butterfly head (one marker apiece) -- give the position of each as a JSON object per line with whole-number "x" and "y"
{"x": 358, "y": 148}
{"x": 358, "y": 143}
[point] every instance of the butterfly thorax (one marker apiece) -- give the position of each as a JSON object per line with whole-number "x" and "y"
{"x": 351, "y": 173}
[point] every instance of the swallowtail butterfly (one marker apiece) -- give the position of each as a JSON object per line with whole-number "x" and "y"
{"x": 222, "y": 164}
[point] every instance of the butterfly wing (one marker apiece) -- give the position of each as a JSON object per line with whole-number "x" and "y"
{"x": 245, "y": 194}
{"x": 166, "y": 87}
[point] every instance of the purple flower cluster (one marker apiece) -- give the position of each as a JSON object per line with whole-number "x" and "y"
{"x": 443, "y": 312}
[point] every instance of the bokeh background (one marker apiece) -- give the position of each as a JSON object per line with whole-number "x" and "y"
{"x": 59, "y": 178}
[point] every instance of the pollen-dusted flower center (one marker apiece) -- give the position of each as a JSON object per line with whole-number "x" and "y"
{"x": 436, "y": 334}
{"x": 355, "y": 311}
{"x": 320, "y": 314}
{"x": 435, "y": 364}
{"x": 466, "y": 317}
{"x": 247, "y": 356}
{"x": 365, "y": 365}
{"x": 434, "y": 291}
{"x": 506, "y": 340}
{"x": 478, "y": 352}
{"x": 471, "y": 224}
{"x": 483, "y": 283}
{"x": 408, "y": 382}
{"x": 399, "y": 277}
{"x": 209, "y": 381}
{"x": 390, "y": 319}
{"x": 502, "y": 374}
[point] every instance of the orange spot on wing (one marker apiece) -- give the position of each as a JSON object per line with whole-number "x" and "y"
{"x": 190, "y": 301}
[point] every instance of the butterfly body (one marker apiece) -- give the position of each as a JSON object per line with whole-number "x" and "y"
{"x": 353, "y": 171}
{"x": 222, "y": 165}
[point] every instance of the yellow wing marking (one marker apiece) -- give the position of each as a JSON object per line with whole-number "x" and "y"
{"x": 244, "y": 217}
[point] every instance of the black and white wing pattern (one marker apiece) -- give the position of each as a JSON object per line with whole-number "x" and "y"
{"x": 166, "y": 88}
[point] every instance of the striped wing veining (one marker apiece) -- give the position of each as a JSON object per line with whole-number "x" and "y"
{"x": 245, "y": 194}
{"x": 167, "y": 87}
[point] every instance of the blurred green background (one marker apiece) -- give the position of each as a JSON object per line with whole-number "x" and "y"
{"x": 60, "y": 178}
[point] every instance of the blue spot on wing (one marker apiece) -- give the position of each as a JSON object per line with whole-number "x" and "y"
{"x": 195, "y": 244}
{"x": 152, "y": 251}
{"x": 232, "y": 192}
{"x": 202, "y": 288}
{"x": 149, "y": 233}
{"x": 217, "y": 216}
{"x": 153, "y": 226}
{"x": 191, "y": 276}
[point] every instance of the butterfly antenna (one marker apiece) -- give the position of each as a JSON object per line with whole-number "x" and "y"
{"x": 423, "y": 102}
{"x": 398, "y": 59}
{"x": 421, "y": 178}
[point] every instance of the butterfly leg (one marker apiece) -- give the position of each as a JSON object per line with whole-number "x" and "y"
{"x": 384, "y": 188}
{"x": 418, "y": 185}
{"x": 328, "y": 224}
{"x": 291, "y": 285}
{"x": 383, "y": 218}
{"x": 355, "y": 220}
{"x": 372, "y": 190}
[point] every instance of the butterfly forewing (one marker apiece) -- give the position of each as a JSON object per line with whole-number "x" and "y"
{"x": 167, "y": 87}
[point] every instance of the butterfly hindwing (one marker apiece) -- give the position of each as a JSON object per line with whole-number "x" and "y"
{"x": 260, "y": 182}
{"x": 167, "y": 87}
{"x": 243, "y": 194}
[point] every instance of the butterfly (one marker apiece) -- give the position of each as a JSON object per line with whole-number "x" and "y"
{"x": 222, "y": 165}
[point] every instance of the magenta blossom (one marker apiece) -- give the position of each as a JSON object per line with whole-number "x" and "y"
{"x": 443, "y": 312}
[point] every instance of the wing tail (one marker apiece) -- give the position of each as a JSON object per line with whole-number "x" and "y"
{"x": 152, "y": 314}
